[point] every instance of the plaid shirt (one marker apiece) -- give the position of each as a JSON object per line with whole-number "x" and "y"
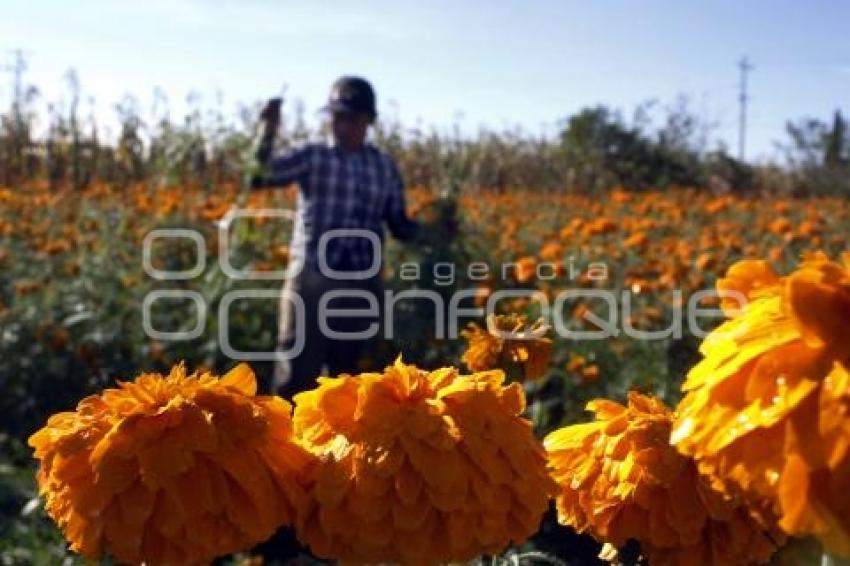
{"x": 341, "y": 189}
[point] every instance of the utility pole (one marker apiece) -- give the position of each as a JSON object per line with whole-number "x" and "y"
{"x": 745, "y": 67}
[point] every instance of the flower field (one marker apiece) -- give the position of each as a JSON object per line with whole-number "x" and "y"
{"x": 704, "y": 449}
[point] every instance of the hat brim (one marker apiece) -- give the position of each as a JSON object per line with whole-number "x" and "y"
{"x": 339, "y": 108}
{"x": 343, "y": 108}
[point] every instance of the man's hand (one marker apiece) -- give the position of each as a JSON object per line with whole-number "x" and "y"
{"x": 270, "y": 116}
{"x": 262, "y": 147}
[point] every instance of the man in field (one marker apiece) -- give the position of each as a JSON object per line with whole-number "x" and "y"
{"x": 348, "y": 189}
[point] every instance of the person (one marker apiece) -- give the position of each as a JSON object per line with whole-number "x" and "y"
{"x": 347, "y": 191}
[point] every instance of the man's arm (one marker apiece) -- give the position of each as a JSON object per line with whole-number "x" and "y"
{"x": 269, "y": 170}
{"x": 400, "y": 225}
{"x": 280, "y": 170}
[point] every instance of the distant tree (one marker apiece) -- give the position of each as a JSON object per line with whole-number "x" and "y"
{"x": 819, "y": 155}
{"x": 837, "y": 145}
{"x": 601, "y": 150}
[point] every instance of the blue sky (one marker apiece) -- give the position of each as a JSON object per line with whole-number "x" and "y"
{"x": 492, "y": 63}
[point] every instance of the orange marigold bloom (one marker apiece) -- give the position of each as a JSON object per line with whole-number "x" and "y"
{"x": 620, "y": 195}
{"x": 636, "y": 240}
{"x": 576, "y": 362}
{"x": 590, "y": 373}
{"x": 492, "y": 347}
{"x": 525, "y": 269}
{"x": 781, "y": 226}
{"x": 749, "y": 278}
{"x": 551, "y": 251}
{"x": 600, "y": 226}
{"x": 704, "y": 261}
{"x": 281, "y": 253}
{"x": 766, "y": 409}
{"x": 173, "y": 469}
{"x": 420, "y": 467}
{"x": 619, "y": 479}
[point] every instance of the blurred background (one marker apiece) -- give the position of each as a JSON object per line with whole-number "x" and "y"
{"x": 663, "y": 139}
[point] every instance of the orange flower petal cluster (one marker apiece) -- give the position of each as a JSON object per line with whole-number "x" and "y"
{"x": 525, "y": 269}
{"x": 620, "y": 479}
{"x": 174, "y": 469}
{"x": 420, "y": 467}
{"x": 766, "y": 409}
{"x": 749, "y": 278}
{"x": 509, "y": 341}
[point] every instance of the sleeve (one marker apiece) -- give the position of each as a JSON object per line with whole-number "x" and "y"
{"x": 395, "y": 214}
{"x": 281, "y": 169}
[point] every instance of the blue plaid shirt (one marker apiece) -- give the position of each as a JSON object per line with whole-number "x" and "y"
{"x": 341, "y": 189}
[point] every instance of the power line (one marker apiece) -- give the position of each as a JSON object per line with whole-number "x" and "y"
{"x": 745, "y": 67}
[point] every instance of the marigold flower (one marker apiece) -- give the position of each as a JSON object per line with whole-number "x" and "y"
{"x": 508, "y": 342}
{"x": 419, "y": 466}
{"x": 551, "y": 251}
{"x": 766, "y": 409}
{"x": 576, "y": 363}
{"x": 619, "y": 479}
{"x": 636, "y": 240}
{"x": 525, "y": 269}
{"x": 600, "y": 226}
{"x": 748, "y": 278}
{"x": 781, "y": 226}
{"x": 173, "y": 469}
{"x": 590, "y": 373}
